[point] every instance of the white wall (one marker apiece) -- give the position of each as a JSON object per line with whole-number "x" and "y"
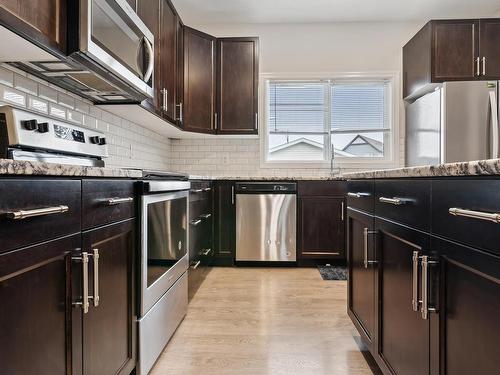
{"x": 298, "y": 48}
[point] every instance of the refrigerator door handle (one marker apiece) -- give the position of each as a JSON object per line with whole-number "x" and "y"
{"x": 494, "y": 125}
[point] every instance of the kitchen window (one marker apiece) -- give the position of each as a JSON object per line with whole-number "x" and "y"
{"x": 308, "y": 120}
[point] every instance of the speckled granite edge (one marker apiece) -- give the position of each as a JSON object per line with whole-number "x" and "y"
{"x": 471, "y": 168}
{"x": 18, "y": 167}
{"x": 266, "y": 178}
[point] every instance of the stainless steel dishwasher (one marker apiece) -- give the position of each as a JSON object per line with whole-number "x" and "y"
{"x": 266, "y": 221}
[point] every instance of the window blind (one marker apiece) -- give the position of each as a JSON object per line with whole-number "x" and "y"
{"x": 358, "y": 106}
{"x": 296, "y": 107}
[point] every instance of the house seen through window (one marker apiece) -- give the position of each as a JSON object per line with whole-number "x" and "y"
{"x": 307, "y": 120}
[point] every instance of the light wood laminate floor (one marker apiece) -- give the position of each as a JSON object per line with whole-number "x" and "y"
{"x": 265, "y": 321}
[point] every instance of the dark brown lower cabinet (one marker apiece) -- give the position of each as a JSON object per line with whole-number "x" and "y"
{"x": 35, "y": 290}
{"x": 108, "y": 329}
{"x": 466, "y": 336}
{"x": 403, "y": 337}
{"x": 321, "y": 227}
{"x": 362, "y": 271}
{"x": 224, "y": 223}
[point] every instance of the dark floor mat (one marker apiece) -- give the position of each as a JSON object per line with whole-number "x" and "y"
{"x": 333, "y": 272}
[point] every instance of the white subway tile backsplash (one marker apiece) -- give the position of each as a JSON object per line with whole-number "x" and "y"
{"x": 6, "y": 77}
{"x": 25, "y": 84}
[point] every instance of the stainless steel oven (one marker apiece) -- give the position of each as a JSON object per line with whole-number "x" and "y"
{"x": 163, "y": 266}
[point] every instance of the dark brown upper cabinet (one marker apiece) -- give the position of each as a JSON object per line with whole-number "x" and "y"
{"x": 199, "y": 81}
{"x": 162, "y": 20}
{"x": 237, "y": 85}
{"x": 489, "y": 40}
{"x": 43, "y": 22}
{"x": 451, "y": 50}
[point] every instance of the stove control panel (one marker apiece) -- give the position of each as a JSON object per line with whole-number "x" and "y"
{"x": 28, "y": 130}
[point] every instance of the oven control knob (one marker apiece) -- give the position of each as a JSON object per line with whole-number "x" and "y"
{"x": 102, "y": 141}
{"x": 94, "y": 140}
{"x": 43, "y": 127}
{"x": 30, "y": 124}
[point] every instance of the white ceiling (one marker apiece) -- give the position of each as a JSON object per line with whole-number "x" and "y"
{"x": 199, "y": 12}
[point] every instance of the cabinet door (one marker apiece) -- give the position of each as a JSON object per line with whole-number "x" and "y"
{"x": 237, "y": 85}
{"x": 179, "y": 90}
{"x": 321, "y": 227}
{"x": 455, "y": 50}
{"x": 361, "y": 293}
{"x": 108, "y": 328}
{"x": 403, "y": 338}
{"x": 489, "y": 35}
{"x": 469, "y": 307}
{"x": 225, "y": 223}
{"x": 35, "y": 291}
{"x": 168, "y": 59}
{"x": 149, "y": 12}
{"x": 199, "y": 81}
{"x": 42, "y": 22}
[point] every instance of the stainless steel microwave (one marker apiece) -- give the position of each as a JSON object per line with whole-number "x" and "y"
{"x": 110, "y": 54}
{"x": 107, "y": 36}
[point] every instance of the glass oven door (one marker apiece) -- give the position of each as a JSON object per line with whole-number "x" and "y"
{"x": 164, "y": 244}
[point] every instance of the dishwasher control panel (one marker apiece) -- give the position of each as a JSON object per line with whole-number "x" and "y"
{"x": 268, "y": 187}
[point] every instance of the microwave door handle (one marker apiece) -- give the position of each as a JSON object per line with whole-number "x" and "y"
{"x": 150, "y": 59}
{"x": 494, "y": 125}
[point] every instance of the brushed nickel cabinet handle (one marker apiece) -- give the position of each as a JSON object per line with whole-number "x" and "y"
{"x": 256, "y": 121}
{"x": 367, "y": 262}
{"x": 196, "y": 191}
{"x": 84, "y": 304}
{"x": 478, "y": 69}
{"x": 494, "y": 217}
{"x": 414, "y": 297}
{"x": 425, "y": 308}
{"x": 196, "y": 265}
{"x": 24, "y": 214}
{"x": 205, "y": 216}
{"x": 394, "y": 201}
{"x": 205, "y": 252}
{"x": 484, "y": 66}
{"x": 342, "y": 211}
{"x": 180, "y": 112}
{"x": 357, "y": 195}
{"x": 115, "y": 201}
{"x": 207, "y": 189}
{"x": 95, "y": 297}
{"x": 232, "y": 194}
{"x": 195, "y": 222}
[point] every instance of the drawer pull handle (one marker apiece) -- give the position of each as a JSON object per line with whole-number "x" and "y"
{"x": 475, "y": 214}
{"x": 205, "y": 252}
{"x": 196, "y": 191}
{"x": 115, "y": 201}
{"x": 207, "y": 189}
{"x": 357, "y": 195}
{"x": 394, "y": 201}
{"x": 195, "y": 222}
{"x": 414, "y": 297}
{"x": 205, "y": 216}
{"x": 195, "y": 265}
{"x": 24, "y": 214}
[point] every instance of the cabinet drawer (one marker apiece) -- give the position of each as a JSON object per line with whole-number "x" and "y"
{"x": 107, "y": 201}
{"x": 200, "y": 190}
{"x": 321, "y": 188}
{"x": 404, "y": 201}
{"x": 476, "y": 197}
{"x": 36, "y": 210}
{"x": 360, "y": 195}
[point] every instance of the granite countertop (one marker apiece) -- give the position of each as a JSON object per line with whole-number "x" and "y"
{"x": 470, "y": 168}
{"x": 35, "y": 168}
{"x": 266, "y": 178}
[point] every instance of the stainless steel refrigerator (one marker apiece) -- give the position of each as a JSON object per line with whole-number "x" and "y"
{"x": 458, "y": 121}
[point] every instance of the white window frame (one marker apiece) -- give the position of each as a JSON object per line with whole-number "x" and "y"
{"x": 389, "y": 160}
